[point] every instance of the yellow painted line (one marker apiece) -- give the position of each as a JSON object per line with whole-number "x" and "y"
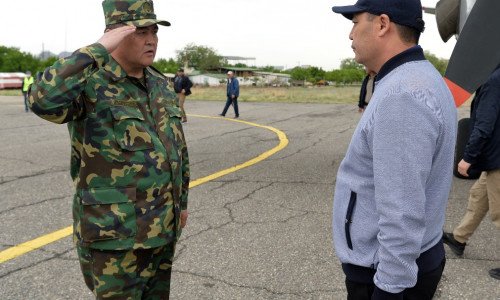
{"x": 39, "y": 242}
{"x": 282, "y": 144}
{"x": 23, "y": 248}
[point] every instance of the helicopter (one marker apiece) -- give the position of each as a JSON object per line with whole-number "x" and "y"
{"x": 476, "y": 54}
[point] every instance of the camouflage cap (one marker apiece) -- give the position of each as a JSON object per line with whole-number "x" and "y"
{"x": 139, "y": 13}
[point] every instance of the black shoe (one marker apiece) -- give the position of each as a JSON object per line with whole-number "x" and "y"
{"x": 455, "y": 246}
{"x": 236, "y": 117}
{"x": 495, "y": 273}
{"x": 221, "y": 115}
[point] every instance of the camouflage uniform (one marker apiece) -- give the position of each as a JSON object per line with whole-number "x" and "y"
{"x": 129, "y": 160}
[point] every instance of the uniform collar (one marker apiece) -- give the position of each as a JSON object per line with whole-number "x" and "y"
{"x": 414, "y": 53}
{"x": 116, "y": 72}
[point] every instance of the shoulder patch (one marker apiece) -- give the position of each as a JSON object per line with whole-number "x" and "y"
{"x": 124, "y": 103}
{"x": 155, "y": 72}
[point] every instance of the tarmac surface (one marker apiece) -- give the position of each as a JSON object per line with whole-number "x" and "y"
{"x": 261, "y": 232}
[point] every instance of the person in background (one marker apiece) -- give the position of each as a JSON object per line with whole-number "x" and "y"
{"x": 129, "y": 159}
{"x": 181, "y": 86}
{"x": 482, "y": 154}
{"x": 393, "y": 184}
{"x": 367, "y": 88}
{"x": 233, "y": 92}
{"x": 190, "y": 85}
{"x": 27, "y": 82}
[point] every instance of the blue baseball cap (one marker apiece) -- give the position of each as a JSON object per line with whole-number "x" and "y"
{"x": 403, "y": 12}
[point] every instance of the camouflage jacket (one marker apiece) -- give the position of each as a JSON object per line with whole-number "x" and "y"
{"x": 129, "y": 159}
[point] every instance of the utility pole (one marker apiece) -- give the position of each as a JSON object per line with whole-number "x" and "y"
{"x": 186, "y": 62}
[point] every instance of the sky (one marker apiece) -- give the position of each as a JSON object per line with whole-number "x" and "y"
{"x": 276, "y": 32}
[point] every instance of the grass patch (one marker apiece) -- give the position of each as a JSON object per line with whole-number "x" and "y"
{"x": 11, "y": 92}
{"x": 329, "y": 94}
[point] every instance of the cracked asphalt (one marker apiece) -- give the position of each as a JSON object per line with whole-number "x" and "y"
{"x": 263, "y": 232}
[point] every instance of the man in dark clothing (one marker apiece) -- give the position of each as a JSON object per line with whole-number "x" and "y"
{"x": 233, "y": 92}
{"x": 182, "y": 84}
{"x": 367, "y": 88}
{"x": 482, "y": 153}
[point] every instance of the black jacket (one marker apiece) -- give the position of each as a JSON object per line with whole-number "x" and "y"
{"x": 362, "y": 93}
{"x": 483, "y": 148}
{"x": 182, "y": 83}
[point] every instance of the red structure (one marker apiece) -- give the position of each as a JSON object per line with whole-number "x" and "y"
{"x": 11, "y": 80}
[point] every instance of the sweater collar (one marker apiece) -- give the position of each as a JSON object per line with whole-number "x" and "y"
{"x": 414, "y": 53}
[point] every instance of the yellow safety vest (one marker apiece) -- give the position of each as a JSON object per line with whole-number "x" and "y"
{"x": 27, "y": 82}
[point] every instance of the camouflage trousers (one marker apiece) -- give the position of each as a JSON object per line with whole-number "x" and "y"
{"x": 128, "y": 274}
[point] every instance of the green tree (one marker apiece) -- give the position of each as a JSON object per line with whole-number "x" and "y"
{"x": 353, "y": 75}
{"x": 350, "y": 63}
{"x": 315, "y": 74}
{"x": 299, "y": 74}
{"x": 439, "y": 63}
{"x": 166, "y": 66}
{"x": 240, "y": 65}
{"x": 201, "y": 58}
{"x": 345, "y": 76}
{"x": 270, "y": 69}
{"x": 44, "y": 64}
{"x": 13, "y": 60}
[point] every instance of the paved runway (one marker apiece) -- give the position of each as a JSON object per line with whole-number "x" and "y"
{"x": 262, "y": 232}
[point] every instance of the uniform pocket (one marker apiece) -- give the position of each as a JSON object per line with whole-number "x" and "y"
{"x": 173, "y": 111}
{"x": 108, "y": 214}
{"x": 348, "y": 219}
{"x": 130, "y": 130}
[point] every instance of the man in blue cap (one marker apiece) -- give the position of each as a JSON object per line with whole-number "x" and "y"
{"x": 393, "y": 185}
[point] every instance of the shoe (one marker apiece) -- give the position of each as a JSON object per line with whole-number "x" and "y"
{"x": 221, "y": 115}
{"x": 184, "y": 122}
{"x": 455, "y": 246}
{"x": 495, "y": 273}
{"x": 237, "y": 117}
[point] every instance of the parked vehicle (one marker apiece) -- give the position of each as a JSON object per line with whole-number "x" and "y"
{"x": 11, "y": 80}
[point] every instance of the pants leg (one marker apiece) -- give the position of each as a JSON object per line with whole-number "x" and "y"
{"x": 476, "y": 210}
{"x": 182, "y": 98}
{"x": 25, "y": 100}
{"x": 426, "y": 285}
{"x": 493, "y": 187}
{"x": 359, "y": 291}
{"x": 424, "y": 289}
{"x": 158, "y": 287}
{"x": 226, "y": 107}
{"x": 127, "y": 274}
{"x": 235, "y": 105}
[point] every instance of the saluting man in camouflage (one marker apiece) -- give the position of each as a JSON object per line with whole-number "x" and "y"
{"x": 129, "y": 160}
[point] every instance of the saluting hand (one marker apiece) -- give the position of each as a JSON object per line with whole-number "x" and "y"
{"x": 112, "y": 38}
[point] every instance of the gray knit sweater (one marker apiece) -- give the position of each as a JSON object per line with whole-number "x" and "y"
{"x": 393, "y": 184}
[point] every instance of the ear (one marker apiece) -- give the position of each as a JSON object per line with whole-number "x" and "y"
{"x": 384, "y": 24}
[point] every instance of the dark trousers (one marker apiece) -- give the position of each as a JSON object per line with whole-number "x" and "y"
{"x": 25, "y": 100}
{"x": 424, "y": 289}
{"x": 230, "y": 101}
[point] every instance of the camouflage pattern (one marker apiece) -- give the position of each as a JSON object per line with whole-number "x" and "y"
{"x": 139, "y": 13}
{"x": 129, "y": 159}
{"x": 128, "y": 274}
